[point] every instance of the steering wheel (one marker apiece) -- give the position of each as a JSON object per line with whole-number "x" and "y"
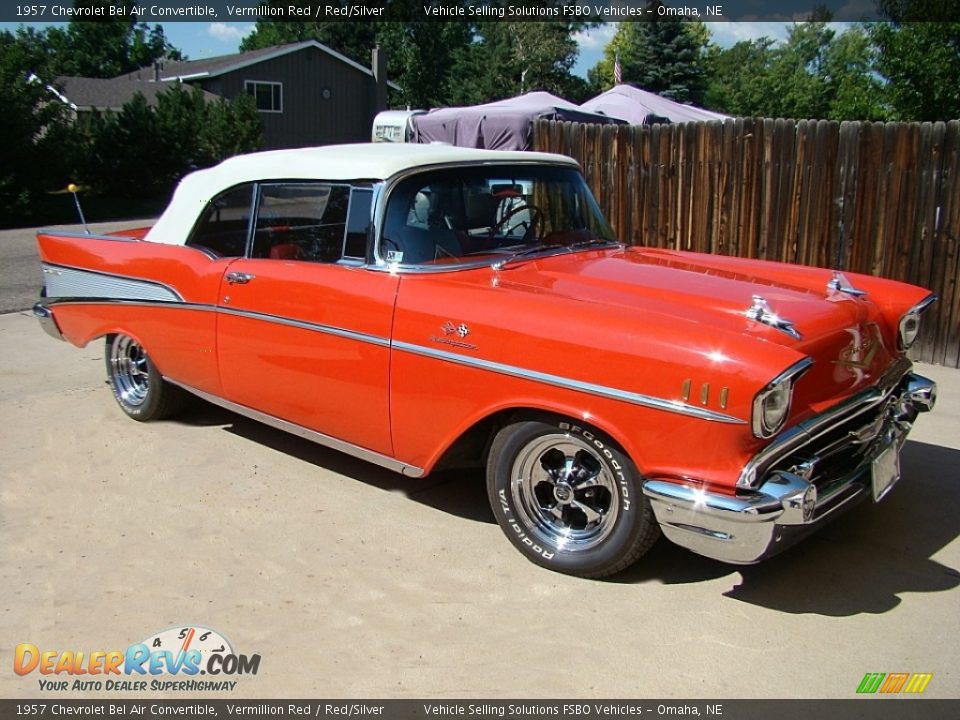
{"x": 533, "y": 225}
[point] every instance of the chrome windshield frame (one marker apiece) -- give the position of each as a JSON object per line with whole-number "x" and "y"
{"x": 385, "y": 189}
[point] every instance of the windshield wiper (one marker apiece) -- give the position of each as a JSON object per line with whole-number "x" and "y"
{"x": 526, "y": 254}
{"x": 530, "y": 252}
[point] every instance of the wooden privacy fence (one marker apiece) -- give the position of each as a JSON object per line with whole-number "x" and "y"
{"x": 876, "y": 198}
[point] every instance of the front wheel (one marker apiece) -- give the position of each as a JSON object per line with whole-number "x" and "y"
{"x": 138, "y": 387}
{"x": 568, "y": 498}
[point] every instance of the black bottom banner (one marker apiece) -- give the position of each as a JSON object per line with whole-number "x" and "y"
{"x": 865, "y": 708}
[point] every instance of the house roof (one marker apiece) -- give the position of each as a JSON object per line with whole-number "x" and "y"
{"x": 110, "y": 94}
{"x": 366, "y": 161}
{"x": 212, "y": 67}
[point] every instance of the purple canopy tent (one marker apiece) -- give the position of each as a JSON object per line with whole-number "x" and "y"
{"x": 502, "y": 125}
{"x": 634, "y": 106}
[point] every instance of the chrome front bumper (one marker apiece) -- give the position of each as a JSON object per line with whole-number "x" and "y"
{"x": 47, "y": 321}
{"x": 814, "y": 478}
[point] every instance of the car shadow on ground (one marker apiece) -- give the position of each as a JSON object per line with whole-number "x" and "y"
{"x": 861, "y": 563}
{"x": 458, "y": 492}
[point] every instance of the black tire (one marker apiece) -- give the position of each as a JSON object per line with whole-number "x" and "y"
{"x": 137, "y": 385}
{"x": 568, "y": 498}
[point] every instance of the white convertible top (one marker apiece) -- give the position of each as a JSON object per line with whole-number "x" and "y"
{"x": 364, "y": 161}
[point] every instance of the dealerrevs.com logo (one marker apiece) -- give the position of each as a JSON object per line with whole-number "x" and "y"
{"x": 170, "y": 660}
{"x": 893, "y": 683}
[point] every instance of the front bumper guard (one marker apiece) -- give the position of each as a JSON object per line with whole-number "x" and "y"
{"x": 755, "y": 524}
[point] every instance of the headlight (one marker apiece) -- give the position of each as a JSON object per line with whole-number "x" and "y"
{"x": 771, "y": 406}
{"x": 909, "y": 329}
{"x": 910, "y": 322}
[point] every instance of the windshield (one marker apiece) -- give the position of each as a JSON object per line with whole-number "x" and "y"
{"x": 489, "y": 212}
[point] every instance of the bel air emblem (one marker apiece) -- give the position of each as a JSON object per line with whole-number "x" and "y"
{"x": 455, "y": 335}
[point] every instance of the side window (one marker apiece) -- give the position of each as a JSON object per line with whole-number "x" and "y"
{"x": 301, "y": 221}
{"x": 358, "y": 224}
{"x": 224, "y": 225}
{"x": 267, "y": 96}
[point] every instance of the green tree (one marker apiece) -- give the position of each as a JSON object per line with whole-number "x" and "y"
{"x": 795, "y": 85}
{"x": 353, "y": 39}
{"x": 854, "y": 89}
{"x": 142, "y": 151}
{"x": 105, "y": 48}
{"x": 918, "y": 61}
{"x": 420, "y": 60}
{"x": 231, "y": 127}
{"x": 735, "y": 77}
{"x": 815, "y": 73}
{"x": 32, "y": 125}
{"x": 508, "y": 58}
{"x": 663, "y": 54}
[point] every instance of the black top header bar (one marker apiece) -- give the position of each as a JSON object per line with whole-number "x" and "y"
{"x": 154, "y": 11}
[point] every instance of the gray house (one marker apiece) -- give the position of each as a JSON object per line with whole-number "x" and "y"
{"x": 307, "y": 94}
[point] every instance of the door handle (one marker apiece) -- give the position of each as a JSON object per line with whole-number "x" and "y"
{"x": 239, "y": 278}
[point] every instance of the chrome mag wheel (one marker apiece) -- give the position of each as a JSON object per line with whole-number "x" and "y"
{"x": 129, "y": 370}
{"x": 138, "y": 386}
{"x": 564, "y": 492}
{"x": 567, "y": 497}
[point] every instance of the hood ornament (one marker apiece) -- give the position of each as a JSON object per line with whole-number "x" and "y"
{"x": 760, "y": 312}
{"x": 840, "y": 284}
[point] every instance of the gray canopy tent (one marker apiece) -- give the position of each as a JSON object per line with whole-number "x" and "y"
{"x": 502, "y": 125}
{"x": 641, "y": 107}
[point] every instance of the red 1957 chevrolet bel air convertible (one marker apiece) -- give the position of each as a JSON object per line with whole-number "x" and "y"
{"x": 426, "y": 307}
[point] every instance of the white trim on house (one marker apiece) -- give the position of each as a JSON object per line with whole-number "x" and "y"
{"x": 279, "y": 52}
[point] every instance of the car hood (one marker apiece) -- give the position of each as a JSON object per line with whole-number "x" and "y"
{"x": 713, "y": 293}
{"x": 700, "y": 288}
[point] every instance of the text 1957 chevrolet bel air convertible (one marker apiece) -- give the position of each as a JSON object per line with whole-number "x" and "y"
{"x": 427, "y": 307}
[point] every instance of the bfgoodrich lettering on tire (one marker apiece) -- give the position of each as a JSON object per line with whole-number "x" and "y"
{"x": 138, "y": 387}
{"x": 568, "y": 498}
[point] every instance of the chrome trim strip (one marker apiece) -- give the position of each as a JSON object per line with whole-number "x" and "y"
{"x": 792, "y": 372}
{"x": 569, "y": 384}
{"x": 799, "y": 435}
{"x": 501, "y": 368}
{"x": 88, "y": 236}
{"x": 306, "y": 433}
{"x": 66, "y": 281}
{"x": 303, "y": 325}
{"x": 51, "y": 301}
{"x": 921, "y": 306}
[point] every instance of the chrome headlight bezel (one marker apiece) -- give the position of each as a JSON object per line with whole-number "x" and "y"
{"x": 909, "y": 326}
{"x": 771, "y": 406}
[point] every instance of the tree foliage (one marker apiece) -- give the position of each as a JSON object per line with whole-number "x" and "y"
{"x": 509, "y": 58}
{"x": 816, "y": 73}
{"x": 144, "y": 150}
{"x": 30, "y": 123}
{"x": 137, "y": 153}
{"x": 662, "y": 54}
{"x": 918, "y": 60}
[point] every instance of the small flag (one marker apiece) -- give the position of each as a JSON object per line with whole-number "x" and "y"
{"x": 617, "y": 70}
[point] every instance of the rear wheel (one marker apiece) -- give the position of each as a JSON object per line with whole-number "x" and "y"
{"x": 568, "y": 498}
{"x": 138, "y": 387}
